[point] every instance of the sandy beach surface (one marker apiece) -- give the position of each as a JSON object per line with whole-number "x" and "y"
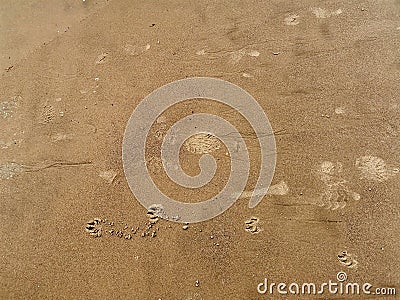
{"x": 327, "y": 75}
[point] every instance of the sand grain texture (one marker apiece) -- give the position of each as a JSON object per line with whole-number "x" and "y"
{"x": 328, "y": 84}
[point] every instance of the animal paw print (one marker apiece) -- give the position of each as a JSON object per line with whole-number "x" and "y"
{"x": 347, "y": 259}
{"x": 94, "y": 227}
{"x": 252, "y": 225}
{"x": 154, "y": 212}
{"x": 102, "y": 227}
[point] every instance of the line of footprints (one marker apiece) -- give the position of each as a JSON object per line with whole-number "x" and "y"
{"x": 347, "y": 259}
{"x": 98, "y": 227}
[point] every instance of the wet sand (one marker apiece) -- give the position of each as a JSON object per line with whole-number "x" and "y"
{"x": 326, "y": 74}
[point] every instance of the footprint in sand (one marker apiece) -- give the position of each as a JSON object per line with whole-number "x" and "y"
{"x": 98, "y": 227}
{"x": 375, "y": 168}
{"x": 94, "y": 227}
{"x": 253, "y": 225}
{"x": 347, "y": 259}
{"x": 336, "y": 192}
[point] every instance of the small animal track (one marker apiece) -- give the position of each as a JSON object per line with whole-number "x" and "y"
{"x": 156, "y": 211}
{"x": 94, "y": 227}
{"x": 98, "y": 227}
{"x": 153, "y": 213}
{"x": 252, "y": 225}
{"x": 347, "y": 259}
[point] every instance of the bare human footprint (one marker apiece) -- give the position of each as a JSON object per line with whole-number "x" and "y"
{"x": 336, "y": 192}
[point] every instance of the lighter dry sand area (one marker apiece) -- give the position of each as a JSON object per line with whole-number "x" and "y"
{"x": 327, "y": 75}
